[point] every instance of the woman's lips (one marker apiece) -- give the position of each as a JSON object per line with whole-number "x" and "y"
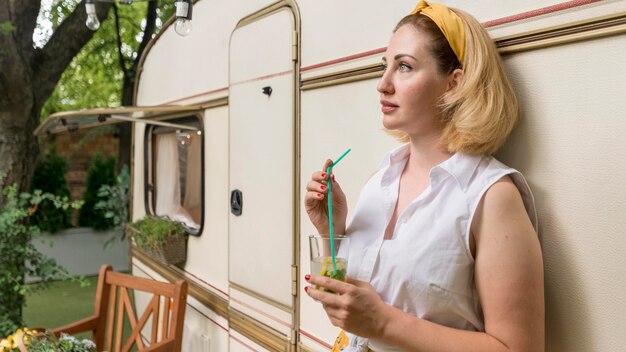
{"x": 387, "y": 107}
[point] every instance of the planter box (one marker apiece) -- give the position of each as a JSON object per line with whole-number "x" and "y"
{"x": 81, "y": 250}
{"x": 173, "y": 252}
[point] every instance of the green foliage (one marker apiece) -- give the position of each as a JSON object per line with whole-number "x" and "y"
{"x": 101, "y": 172}
{"x": 153, "y": 232}
{"x": 114, "y": 201}
{"x": 65, "y": 343}
{"x": 19, "y": 257}
{"x": 50, "y": 177}
{"x": 95, "y": 76}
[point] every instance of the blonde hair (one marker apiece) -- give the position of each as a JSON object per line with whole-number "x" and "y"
{"x": 482, "y": 111}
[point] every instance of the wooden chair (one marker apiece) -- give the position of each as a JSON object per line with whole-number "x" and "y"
{"x": 166, "y": 307}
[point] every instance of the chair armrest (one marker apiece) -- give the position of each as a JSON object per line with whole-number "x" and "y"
{"x": 87, "y": 324}
{"x": 165, "y": 345}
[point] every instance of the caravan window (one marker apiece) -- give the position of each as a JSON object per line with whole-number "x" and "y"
{"x": 174, "y": 164}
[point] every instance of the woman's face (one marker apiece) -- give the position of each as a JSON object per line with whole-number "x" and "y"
{"x": 411, "y": 85}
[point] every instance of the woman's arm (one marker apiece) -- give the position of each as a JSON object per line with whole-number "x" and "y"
{"x": 509, "y": 279}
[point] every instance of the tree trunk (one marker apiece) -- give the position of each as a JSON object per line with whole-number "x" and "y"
{"x": 18, "y": 145}
{"x": 124, "y": 130}
{"x": 18, "y": 116}
{"x": 18, "y": 120}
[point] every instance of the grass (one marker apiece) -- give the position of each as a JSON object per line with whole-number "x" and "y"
{"x": 61, "y": 303}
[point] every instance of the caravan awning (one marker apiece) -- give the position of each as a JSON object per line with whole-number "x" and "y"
{"x": 86, "y": 118}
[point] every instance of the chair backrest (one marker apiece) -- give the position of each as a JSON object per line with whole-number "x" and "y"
{"x": 160, "y": 318}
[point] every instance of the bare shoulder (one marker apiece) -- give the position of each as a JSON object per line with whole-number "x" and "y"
{"x": 503, "y": 192}
{"x": 501, "y": 203}
{"x": 509, "y": 268}
{"x": 500, "y": 207}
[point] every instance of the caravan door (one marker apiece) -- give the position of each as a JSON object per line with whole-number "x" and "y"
{"x": 262, "y": 101}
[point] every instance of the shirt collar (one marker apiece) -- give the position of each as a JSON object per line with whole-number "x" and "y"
{"x": 395, "y": 155}
{"x": 460, "y": 166}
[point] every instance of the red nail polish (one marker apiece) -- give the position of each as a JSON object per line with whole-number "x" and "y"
{"x": 307, "y": 277}
{"x": 323, "y": 188}
{"x": 306, "y": 289}
{"x": 323, "y": 175}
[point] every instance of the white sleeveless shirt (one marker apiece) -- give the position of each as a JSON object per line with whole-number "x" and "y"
{"x": 426, "y": 269}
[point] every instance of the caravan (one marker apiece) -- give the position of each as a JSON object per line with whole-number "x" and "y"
{"x": 231, "y": 120}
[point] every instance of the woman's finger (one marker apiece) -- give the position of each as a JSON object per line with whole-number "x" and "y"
{"x": 316, "y": 187}
{"x": 339, "y": 287}
{"x": 326, "y": 298}
{"x": 319, "y": 176}
{"x": 311, "y": 198}
{"x": 327, "y": 164}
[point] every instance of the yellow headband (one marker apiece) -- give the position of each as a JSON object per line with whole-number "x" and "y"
{"x": 449, "y": 22}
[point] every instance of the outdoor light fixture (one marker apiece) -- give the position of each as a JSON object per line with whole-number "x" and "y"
{"x": 183, "y": 17}
{"x": 182, "y": 26}
{"x": 92, "y": 20}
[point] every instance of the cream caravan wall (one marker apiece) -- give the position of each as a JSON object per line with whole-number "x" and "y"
{"x": 571, "y": 146}
{"x": 344, "y": 28}
{"x": 180, "y": 67}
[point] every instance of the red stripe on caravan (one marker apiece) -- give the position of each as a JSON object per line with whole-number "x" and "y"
{"x": 538, "y": 12}
{"x": 284, "y": 323}
{"x": 204, "y": 315}
{"x": 241, "y": 342}
{"x": 508, "y": 19}
{"x": 343, "y": 59}
{"x": 206, "y": 283}
{"x": 315, "y": 339}
{"x": 262, "y": 77}
{"x": 196, "y": 309}
{"x": 195, "y": 96}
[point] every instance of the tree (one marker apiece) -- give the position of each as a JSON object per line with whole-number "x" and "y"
{"x": 104, "y": 71}
{"x": 30, "y": 69}
{"x": 28, "y": 75}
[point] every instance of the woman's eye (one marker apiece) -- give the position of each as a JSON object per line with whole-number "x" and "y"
{"x": 384, "y": 67}
{"x": 404, "y": 68}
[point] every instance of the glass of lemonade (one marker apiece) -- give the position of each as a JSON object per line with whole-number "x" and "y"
{"x": 321, "y": 258}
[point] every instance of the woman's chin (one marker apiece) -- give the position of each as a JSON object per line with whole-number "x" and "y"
{"x": 388, "y": 123}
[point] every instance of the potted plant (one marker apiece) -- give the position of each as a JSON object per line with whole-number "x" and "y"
{"x": 39, "y": 340}
{"x": 162, "y": 239}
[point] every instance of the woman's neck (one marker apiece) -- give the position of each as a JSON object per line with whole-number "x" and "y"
{"x": 425, "y": 154}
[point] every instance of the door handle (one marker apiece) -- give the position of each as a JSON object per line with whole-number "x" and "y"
{"x": 236, "y": 202}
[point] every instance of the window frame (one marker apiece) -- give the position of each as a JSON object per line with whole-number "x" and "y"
{"x": 150, "y": 165}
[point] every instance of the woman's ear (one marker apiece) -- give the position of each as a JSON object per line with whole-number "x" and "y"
{"x": 455, "y": 80}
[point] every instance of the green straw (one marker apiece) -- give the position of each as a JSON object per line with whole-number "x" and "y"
{"x": 330, "y": 211}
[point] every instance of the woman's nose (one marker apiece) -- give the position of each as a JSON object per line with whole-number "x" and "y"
{"x": 384, "y": 85}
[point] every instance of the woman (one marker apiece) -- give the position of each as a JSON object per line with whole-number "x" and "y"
{"x": 444, "y": 254}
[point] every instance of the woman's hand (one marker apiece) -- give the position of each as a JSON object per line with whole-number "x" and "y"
{"x": 354, "y": 307}
{"x": 316, "y": 202}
